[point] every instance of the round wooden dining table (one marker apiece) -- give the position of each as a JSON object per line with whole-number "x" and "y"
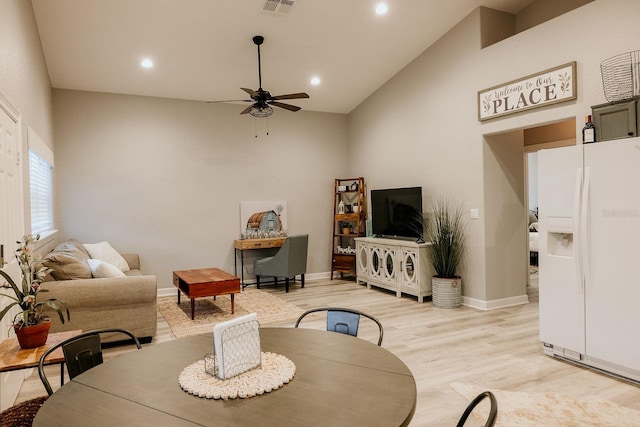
{"x": 340, "y": 380}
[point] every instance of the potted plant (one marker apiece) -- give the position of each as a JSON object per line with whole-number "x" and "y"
{"x": 445, "y": 233}
{"x": 30, "y": 325}
{"x": 345, "y": 227}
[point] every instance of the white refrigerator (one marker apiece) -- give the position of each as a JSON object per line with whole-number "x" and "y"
{"x": 589, "y": 259}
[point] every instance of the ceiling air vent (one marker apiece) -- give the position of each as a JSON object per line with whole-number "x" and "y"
{"x": 277, "y": 7}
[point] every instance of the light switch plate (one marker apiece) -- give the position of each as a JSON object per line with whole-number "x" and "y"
{"x": 475, "y": 214}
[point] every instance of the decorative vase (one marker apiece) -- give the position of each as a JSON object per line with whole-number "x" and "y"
{"x": 446, "y": 292}
{"x": 33, "y": 336}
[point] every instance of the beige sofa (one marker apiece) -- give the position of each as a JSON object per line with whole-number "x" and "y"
{"x": 109, "y": 302}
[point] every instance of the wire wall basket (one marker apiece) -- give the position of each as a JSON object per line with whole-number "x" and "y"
{"x": 621, "y": 76}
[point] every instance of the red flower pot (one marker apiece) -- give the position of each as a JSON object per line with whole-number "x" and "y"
{"x": 33, "y": 336}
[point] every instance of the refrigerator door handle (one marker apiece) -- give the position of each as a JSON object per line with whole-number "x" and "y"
{"x": 577, "y": 236}
{"x": 584, "y": 223}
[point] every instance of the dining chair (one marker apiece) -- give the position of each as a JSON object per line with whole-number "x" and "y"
{"x": 81, "y": 353}
{"x": 493, "y": 412}
{"x": 288, "y": 262}
{"x": 343, "y": 320}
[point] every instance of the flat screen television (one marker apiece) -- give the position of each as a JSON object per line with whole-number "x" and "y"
{"x": 396, "y": 213}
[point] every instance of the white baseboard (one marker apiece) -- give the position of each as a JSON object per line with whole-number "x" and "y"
{"x": 495, "y": 304}
{"x": 469, "y": 302}
{"x": 172, "y": 291}
{"x": 317, "y": 276}
{"x": 168, "y": 292}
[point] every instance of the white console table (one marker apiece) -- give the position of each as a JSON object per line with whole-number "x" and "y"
{"x": 401, "y": 266}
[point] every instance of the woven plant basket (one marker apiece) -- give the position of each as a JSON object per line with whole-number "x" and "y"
{"x": 447, "y": 293}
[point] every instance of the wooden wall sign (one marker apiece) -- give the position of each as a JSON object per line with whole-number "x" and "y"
{"x": 541, "y": 89}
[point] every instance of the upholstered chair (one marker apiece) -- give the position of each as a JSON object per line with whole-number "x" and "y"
{"x": 287, "y": 263}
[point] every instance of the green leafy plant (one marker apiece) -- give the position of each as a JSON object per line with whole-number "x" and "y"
{"x": 445, "y": 232}
{"x": 26, "y": 296}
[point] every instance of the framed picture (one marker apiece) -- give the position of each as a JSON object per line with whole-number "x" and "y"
{"x": 547, "y": 87}
{"x": 263, "y": 217}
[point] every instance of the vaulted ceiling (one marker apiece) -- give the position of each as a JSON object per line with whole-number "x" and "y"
{"x": 203, "y": 49}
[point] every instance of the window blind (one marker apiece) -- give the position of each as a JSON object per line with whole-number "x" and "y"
{"x": 41, "y": 188}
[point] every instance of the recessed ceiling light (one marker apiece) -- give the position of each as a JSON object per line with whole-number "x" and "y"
{"x": 382, "y": 8}
{"x": 315, "y": 80}
{"x": 146, "y": 63}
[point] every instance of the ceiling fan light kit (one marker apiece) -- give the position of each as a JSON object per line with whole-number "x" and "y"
{"x": 261, "y": 112}
{"x": 262, "y": 99}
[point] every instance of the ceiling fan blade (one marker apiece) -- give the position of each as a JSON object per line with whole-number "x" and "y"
{"x": 262, "y": 99}
{"x": 285, "y": 106}
{"x": 246, "y": 110}
{"x": 251, "y": 92}
{"x": 291, "y": 96}
{"x": 231, "y": 100}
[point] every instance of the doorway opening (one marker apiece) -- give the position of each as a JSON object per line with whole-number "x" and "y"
{"x": 511, "y": 204}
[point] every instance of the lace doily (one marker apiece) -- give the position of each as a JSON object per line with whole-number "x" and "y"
{"x": 275, "y": 371}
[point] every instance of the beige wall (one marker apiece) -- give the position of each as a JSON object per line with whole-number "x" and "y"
{"x": 24, "y": 85}
{"x": 168, "y": 170}
{"x": 542, "y": 10}
{"x": 421, "y": 127}
{"x": 506, "y": 251}
{"x": 24, "y": 79}
{"x": 165, "y": 177}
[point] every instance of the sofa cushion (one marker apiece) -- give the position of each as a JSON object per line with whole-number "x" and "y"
{"x": 101, "y": 269}
{"x": 68, "y": 261}
{"x": 105, "y": 252}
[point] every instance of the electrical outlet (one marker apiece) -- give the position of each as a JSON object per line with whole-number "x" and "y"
{"x": 475, "y": 214}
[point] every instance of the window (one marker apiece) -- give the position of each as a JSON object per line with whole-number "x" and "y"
{"x": 41, "y": 194}
{"x": 40, "y": 184}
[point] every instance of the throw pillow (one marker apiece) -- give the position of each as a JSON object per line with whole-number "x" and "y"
{"x": 76, "y": 245}
{"x": 101, "y": 269}
{"x": 105, "y": 252}
{"x": 66, "y": 267}
{"x": 68, "y": 261}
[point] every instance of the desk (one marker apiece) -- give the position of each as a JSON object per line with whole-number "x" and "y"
{"x": 252, "y": 245}
{"x": 12, "y": 357}
{"x": 340, "y": 380}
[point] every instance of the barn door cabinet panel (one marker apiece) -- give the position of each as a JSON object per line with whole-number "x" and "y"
{"x": 349, "y": 215}
{"x": 375, "y": 263}
{"x": 389, "y": 267}
{"x": 362, "y": 259}
{"x": 400, "y": 266}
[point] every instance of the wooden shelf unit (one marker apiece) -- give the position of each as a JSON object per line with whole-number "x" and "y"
{"x": 348, "y": 223}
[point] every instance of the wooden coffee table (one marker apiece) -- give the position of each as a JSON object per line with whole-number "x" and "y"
{"x": 205, "y": 282}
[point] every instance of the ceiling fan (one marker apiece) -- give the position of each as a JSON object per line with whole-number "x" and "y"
{"x": 261, "y": 99}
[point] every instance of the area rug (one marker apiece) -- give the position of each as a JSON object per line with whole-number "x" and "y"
{"x": 270, "y": 309}
{"x": 517, "y": 409}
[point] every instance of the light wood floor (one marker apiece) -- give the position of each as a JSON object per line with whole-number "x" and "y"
{"x": 494, "y": 349}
